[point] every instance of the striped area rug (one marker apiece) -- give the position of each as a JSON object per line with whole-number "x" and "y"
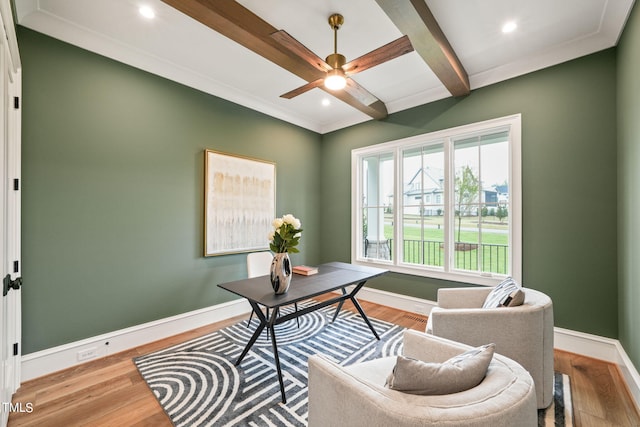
{"x": 197, "y": 383}
{"x": 560, "y": 413}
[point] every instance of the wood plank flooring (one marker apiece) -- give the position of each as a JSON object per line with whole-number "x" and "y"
{"x": 111, "y": 392}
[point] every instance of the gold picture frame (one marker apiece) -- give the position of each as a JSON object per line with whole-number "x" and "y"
{"x": 239, "y": 203}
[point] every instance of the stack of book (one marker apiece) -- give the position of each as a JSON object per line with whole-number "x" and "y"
{"x": 305, "y": 270}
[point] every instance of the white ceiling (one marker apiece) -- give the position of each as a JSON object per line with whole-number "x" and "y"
{"x": 175, "y": 46}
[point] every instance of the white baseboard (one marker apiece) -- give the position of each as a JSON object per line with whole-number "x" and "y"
{"x": 630, "y": 374}
{"x": 398, "y": 301}
{"x": 65, "y": 356}
{"x": 594, "y": 346}
{"x": 57, "y": 358}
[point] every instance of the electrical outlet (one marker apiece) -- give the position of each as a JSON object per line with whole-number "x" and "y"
{"x": 420, "y": 309}
{"x": 87, "y": 353}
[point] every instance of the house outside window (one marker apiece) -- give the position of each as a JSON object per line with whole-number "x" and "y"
{"x": 445, "y": 204}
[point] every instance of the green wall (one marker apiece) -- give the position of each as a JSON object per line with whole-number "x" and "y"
{"x": 569, "y": 183}
{"x": 113, "y": 189}
{"x": 628, "y": 186}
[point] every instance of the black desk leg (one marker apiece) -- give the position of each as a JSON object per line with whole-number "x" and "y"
{"x": 335, "y": 315}
{"x": 364, "y": 316}
{"x": 272, "y": 320}
{"x": 352, "y": 297}
{"x": 256, "y": 333}
{"x": 355, "y": 302}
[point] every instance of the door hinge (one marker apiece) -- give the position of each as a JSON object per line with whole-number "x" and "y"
{"x": 16, "y": 102}
{"x": 8, "y": 284}
{"x": 15, "y": 348}
{"x": 16, "y": 184}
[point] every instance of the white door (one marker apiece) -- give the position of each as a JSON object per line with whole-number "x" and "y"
{"x": 10, "y": 181}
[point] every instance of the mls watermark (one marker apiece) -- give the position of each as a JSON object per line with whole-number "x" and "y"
{"x": 20, "y": 407}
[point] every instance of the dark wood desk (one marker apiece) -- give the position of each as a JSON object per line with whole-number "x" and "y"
{"x": 330, "y": 277}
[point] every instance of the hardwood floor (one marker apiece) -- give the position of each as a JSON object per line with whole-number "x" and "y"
{"x": 600, "y": 396}
{"x": 111, "y": 392}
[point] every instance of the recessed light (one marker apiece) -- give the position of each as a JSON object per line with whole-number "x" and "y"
{"x": 326, "y": 102}
{"x": 147, "y": 12}
{"x": 509, "y": 27}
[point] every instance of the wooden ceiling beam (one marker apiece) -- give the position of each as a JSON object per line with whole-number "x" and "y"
{"x": 414, "y": 18}
{"x": 239, "y": 24}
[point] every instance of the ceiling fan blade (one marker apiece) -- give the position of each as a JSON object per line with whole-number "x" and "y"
{"x": 358, "y": 92}
{"x": 294, "y": 46}
{"x": 360, "y": 98}
{"x": 378, "y": 56}
{"x": 302, "y": 89}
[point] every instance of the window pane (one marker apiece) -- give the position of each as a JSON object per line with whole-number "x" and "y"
{"x": 423, "y": 209}
{"x": 377, "y": 200}
{"x": 494, "y": 155}
{"x": 482, "y": 196}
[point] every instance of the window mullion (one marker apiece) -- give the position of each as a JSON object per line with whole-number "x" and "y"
{"x": 480, "y": 252}
{"x": 449, "y": 202}
{"x": 515, "y": 200}
{"x": 398, "y": 208}
{"x": 421, "y": 253}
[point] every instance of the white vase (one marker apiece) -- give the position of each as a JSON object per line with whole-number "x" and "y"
{"x": 280, "y": 273}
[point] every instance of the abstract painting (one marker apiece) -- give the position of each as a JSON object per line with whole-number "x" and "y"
{"x": 239, "y": 203}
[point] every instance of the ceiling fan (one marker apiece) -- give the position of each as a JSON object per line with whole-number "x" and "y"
{"x": 241, "y": 25}
{"x": 336, "y": 72}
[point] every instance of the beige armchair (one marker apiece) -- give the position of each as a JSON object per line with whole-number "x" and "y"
{"x": 522, "y": 333}
{"x": 356, "y": 395}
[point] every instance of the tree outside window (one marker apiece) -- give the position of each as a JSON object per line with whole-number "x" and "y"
{"x": 467, "y": 193}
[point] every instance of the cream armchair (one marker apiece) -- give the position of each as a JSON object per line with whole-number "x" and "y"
{"x": 356, "y": 395}
{"x": 522, "y": 333}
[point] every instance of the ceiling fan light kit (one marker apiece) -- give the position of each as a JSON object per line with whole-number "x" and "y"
{"x": 335, "y": 79}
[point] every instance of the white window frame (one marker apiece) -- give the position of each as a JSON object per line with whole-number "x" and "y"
{"x": 513, "y": 123}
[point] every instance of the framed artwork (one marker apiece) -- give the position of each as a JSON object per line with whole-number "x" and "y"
{"x": 239, "y": 203}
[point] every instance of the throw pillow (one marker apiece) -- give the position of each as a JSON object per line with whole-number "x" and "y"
{"x": 457, "y": 374}
{"x": 507, "y": 294}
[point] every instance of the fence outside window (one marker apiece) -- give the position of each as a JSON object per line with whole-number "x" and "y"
{"x": 494, "y": 258}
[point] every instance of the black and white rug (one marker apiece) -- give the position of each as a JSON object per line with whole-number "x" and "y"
{"x": 560, "y": 413}
{"x": 197, "y": 383}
